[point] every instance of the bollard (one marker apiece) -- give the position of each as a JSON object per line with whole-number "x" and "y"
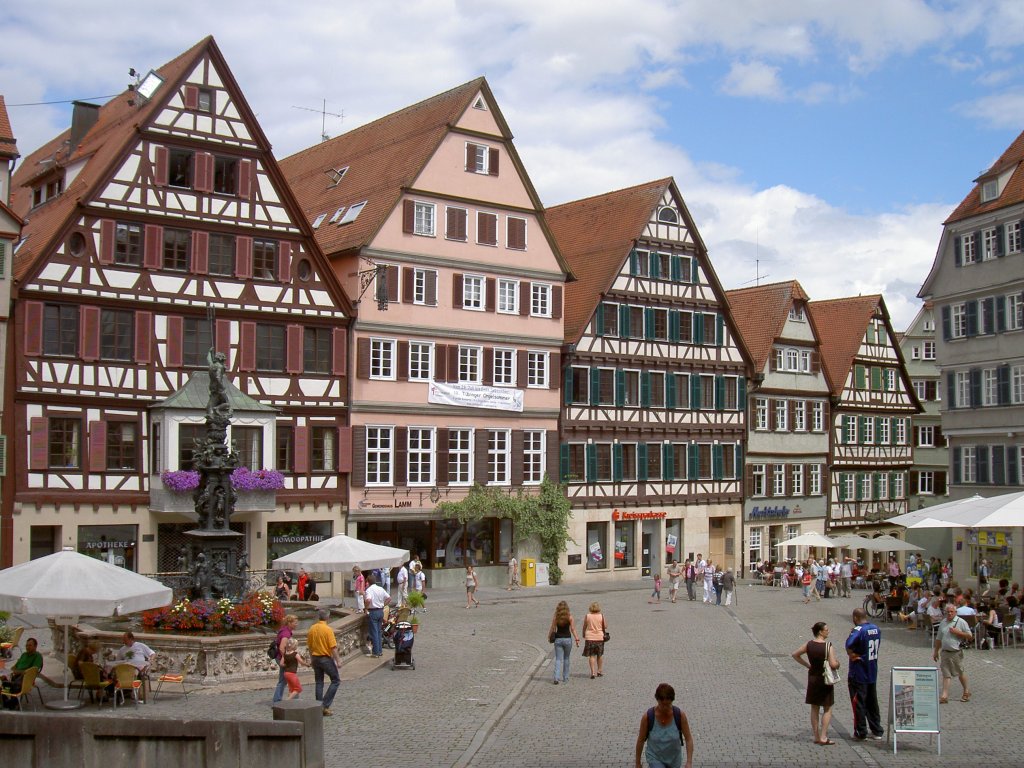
{"x": 310, "y": 714}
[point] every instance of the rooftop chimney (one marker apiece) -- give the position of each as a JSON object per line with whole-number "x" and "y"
{"x": 83, "y": 118}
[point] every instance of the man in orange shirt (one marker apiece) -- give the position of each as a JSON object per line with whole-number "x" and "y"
{"x": 323, "y": 650}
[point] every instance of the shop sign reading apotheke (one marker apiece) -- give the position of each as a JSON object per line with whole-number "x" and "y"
{"x": 108, "y": 544}
{"x": 619, "y": 515}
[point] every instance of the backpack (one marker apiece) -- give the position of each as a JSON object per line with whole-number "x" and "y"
{"x": 677, "y": 715}
{"x": 272, "y": 650}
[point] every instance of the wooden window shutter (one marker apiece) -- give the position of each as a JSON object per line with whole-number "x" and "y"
{"x": 441, "y": 453}
{"x": 773, "y": 361}
{"x": 33, "y": 328}
{"x": 791, "y": 416}
{"x": 453, "y": 362}
{"x": 300, "y": 454}
{"x": 492, "y": 162}
{"x": 431, "y": 288}
{"x": 247, "y": 346}
{"x": 470, "y": 158}
{"x": 175, "y": 332}
{"x": 345, "y": 450}
{"x": 294, "y": 349}
{"x": 202, "y": 177}
{"x": 153, "y": 247}
{"x": 521, "y": 368}
{"x": 143, "y": 337}
{"x": 223, "y": 337}
{"x": 97, "y": 446}
{"x": 160, "y": 166}
{"x": 392, "y": 283}
{"x": 457, "y": 290}
{"x": 556, "y": 302}
{"x": 284, "y": 262}
{"x": 913, "y": 482}
{"x": 357, "y": 478}
{"x": 339, "y": 362}
{"x": 38, "y": 455}
{"x": 551, "y": 459}
{"x": 107, "y": 236}
{"x": 243, "y": 257}
{"x": 191, "y": 97}
{"x": 526, "y": 299}
{"x": 488, "y": 366}
{"x": 815, "y": 362}
{"x": 408, "y": 284}
{"x": 554, "y": 369}
{"x": 957, "y": 251}
{"x": 518, "y": 442}
{"x": 516, "y": 237}
{"x": 403, "y": 360}
{"x": 440, "y": 362}
{"x": 489, "y": 294}
{"x": 90, "y": 340}
{"x": 455, "y": 223}
{"x": 938, "y": 436}
{"x": 486, "y": 228}
{"x": 200, "y": 252}
{"x": 480, "y": 456}
{"x": 245, "y": 179}
{"x": 362, "y": 358}
{"x": 940, "y": 477}
{"x": 408, "y": 216}
{"x": 401, "y": 452}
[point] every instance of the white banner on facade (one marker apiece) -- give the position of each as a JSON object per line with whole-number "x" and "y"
{"x": 475, "y": 396}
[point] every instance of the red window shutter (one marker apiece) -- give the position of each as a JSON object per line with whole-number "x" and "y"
{"x": 408, "y": 216}
{"x": 392, "y": 281}
{"x": 144, "y": 337}
{"x": 773, "y": 361}
{"x": 470, "y": 158}
{"x": 243, "y": 258}
{"x": 441, "y": 470}
{"x": 516, "y": 236}
{"x": 492, "y": 162}
{"x": 340, "y": 361}
{"x": 90, "y": 341}
{"x": 357, "y": 479}
{"x": 521, "y": 369}
{"x": 556, "y": 302}
{"x": 431, "y": 288}
{"x": 97, "y": 446}
{"x": 525, "y": 297}
{"x": 791, "y": 419}
{"x": 457, "y": 290}
{"x": 490, "y": 293}
{"x": 161, "y": 166}
{"x": 488, "y": 366}
{"x": 455, "y": 224}
{"x": 453, "y": 362}
{"x": 440, "y": 362}
{"x": 38, "y": 454}
{"x": 408, "y": 284}
{"x": 153, "y": 251}
{"x": 223, "y": 337}
{"x": 300, "y": 455}
{"x": 815, "y": 362}
{"x": 486, "y": 228}
{"x": 750, "y": 480}
{"x": 401, "y": 455}
{"x": 517, "y": 456}
{"x": 362, "y": 358}
{"x": 403, "y": 360}
{"x": 200, "y": 252}
{"x": 107, "y": 235}
{"x": 345, "y": 450}
{"x": 191, "y": 97}
{"x": 175, "y": 332}
{"x": 33, "y": 328}
{"x": 247, "y": 346}
{"x": 294, "y": 349}
{"x": 284, "y": 262}
{"x": 202, "y": 176}
{"x": 480, "y": 456}
{"x": 245, "y": 179}
{"x": 554, "y": 370}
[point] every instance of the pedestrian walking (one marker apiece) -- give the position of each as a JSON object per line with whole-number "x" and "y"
{"x": 862, "y": 649}
{"x": 513, "y": 574}
{"x": 820, "y": 695}
{"x": 983, "y": 573}
{"x": 656, "y": 594}
{"x": 562, "y": 633}
{"x": 718, "y": 585}
{"x": 376, "y": 598}
{"x": 952, "y": 629}
{"x": 284, "y": 634}
{"x": 359, "y": 586}
{"x": 728, "y": 585}
{"x": 402, "y": 579}
{"x": 706, "y": 570}
{"x": 290, "y": 665}
{"x": 674, "y": 574}
{"x": 665, "y": 731}
{"x": 595, "y": 629}
{"x": 846, "y": 577}
{"x": 690, "y": 575}
{"x": 472, "y": 582}
{"x": 805, "y": 582}
{"x": 323, "y": 651}
{"x": 419, "y": 580}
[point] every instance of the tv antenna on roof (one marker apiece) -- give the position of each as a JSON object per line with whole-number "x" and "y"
{"x": 323, "y": 118}
{"x": 758, "y": 277}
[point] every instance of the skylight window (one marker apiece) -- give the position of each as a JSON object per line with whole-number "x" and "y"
{"x": 337, "y": 215}
{"x": 319, "y": 220}
{"x": 336, "y": 175}
{"x": 352, "y": 213}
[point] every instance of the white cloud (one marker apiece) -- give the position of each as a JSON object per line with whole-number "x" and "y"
{"x": 754, "y": 79}
{"x": 998, "y": 110}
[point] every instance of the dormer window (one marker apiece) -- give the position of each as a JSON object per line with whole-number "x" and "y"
{"x": 796, "y": 313}
{"x": 989, "y": 190}
{"x": 47, "y": 190}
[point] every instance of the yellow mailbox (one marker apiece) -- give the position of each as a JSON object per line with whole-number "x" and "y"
{"x": 528, "y": 578}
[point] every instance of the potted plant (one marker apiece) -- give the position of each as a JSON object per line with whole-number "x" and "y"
{"x": 416, "y": 601}
{"x": 415, "y": 622}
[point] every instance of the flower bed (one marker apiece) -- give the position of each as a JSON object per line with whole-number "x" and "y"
{"x": 242, "y": 479}
{"x": 215, "y": 616}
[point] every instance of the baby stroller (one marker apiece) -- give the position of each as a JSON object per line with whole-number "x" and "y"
{"x": 403, "y": 640}
{"x": 390, "y": 622}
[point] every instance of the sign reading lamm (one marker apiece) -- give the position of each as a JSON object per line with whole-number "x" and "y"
{"x": 619, "y": 515}
{"x": 475, "y": 396}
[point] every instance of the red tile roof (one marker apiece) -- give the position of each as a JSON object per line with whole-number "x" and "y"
{"x": 760, "y": 313}
{"x": 595, "y": 235}
{"x": 1013, "y": 192}
{"x": 841, "y": 325}
{"x": 8, "y": 146}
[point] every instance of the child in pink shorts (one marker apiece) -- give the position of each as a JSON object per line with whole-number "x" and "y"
{"x": 291, "y": 667}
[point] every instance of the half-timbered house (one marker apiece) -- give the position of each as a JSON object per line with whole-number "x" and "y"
{"x": 151, "y": 210}
{"x": 654, "y": 388}
{"x": 787, "y": 421}
{"x": 873, "y": 402}
{"x": 429, "y": 217}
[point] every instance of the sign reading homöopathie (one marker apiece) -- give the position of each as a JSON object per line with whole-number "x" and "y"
{"x": 475, "y": 396}
{"x": 914, "y": 702}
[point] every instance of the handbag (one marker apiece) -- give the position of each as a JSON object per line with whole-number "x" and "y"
{"x": 607, "y": 636}
{"x": 830, "y": 675}
{"x": 551, "y": 636}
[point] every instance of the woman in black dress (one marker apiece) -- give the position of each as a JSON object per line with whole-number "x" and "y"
{"x": 819, "y": 695}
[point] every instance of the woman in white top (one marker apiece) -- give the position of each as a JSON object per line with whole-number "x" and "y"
{"x": 471, "y": 584}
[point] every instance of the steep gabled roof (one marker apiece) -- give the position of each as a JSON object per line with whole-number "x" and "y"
{"x": 115, "y": 129}
{"x": 760, "y": 314}
{"x": 595, "y": 235}
{"x": 1013, "y": 192}
{"x": 8, "y": 146}
{"x": 842, "y": 324}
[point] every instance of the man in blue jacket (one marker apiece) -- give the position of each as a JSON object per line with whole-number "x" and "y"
{"x": 862, "y": 649}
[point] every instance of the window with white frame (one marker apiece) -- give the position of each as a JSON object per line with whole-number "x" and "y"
{"x": 631, "y": 388}
{"x": 420, "y": 455}
{"x": 800, "y": 415}
{"x": 969, "y": 464}
{"x": 781, "y": 415}
{"x": 867, "y": 431}
{"x": 421, "y": 281}
{"x": 882, "y": 485}
{"x": 847, "y": 482}
{"x": 865, "y": 486}
{"x": 420, "y": 354}
{"x": 890, "y": 379}
{"x": 424, "y": 219}
{"x": 656, "y": 381}
{"x": 1017, "y": 385}
{"x": 805, "y": 361}
{"x": 537, "y": 369}
{"x": 761, "y": 413}
{"x": 884, "y": 431}
{"x": 967, "y": 253}
{"x": 963, "y": 389}
{"x": 499, "y": 456}
{"x": 504, "y": 367}
{"x": 989, "y": 244}
{"x": 796, "y": 480}
{"x": 926, "y": 483}
{"x": 379, "y": 450}
{"x": 928, "y": 350}
{"x": 382, "y": 359}
{"x": 818, "y": 417}
{"x": 540, "y": 300}
{"x": 915, "y": 352}
{"x": 926, "y": 436}
{"x": 901, "y": 431}
{"x": 814, "y": 479}
{"x": 470, "y": 364}
{"x": 533, "y": 456}
{"x": 478, "y": 156}
{"x": 508, "y": 296}
{"x": 1014, "y": 312}
{"x": 920, "y": 387}
{"x": 989, "y": 387}
{"x": 757, "y": 480}
{"x": 899, "y": 485}
{"x": 732, "y": 393}
{"x": 958, "y": 321}
{"x": 796, "y": 312}
{"x": 778, "y": 480}
{"x": 1012, "y": 230}
{"x": 754, "y": 545}
{"x": 792, "y": 360}
{"x": 473, "y": 292}
{"x": 460, "y": 456}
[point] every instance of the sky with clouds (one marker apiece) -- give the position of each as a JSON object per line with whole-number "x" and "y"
{"x": 817, "y": 140}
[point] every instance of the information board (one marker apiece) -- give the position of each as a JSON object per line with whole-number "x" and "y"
{"x": 914, "y": 702}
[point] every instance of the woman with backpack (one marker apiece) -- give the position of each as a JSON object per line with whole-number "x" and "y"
{"x": 665, "y": 730}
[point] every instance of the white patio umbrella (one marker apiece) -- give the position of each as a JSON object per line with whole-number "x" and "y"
{"x": 889, "y": 543}
{"x": 809, "y": 539}
{"x": 340, "y": 553}
{"x": 851, "y": 541}
{"x": 1003, "y": 511}
{"x": 67, "y": 585}
{"x": 931, "y": 522}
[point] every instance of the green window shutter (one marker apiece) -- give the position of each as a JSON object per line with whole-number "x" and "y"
{"x": 692, "y": 462}
{"x": 654, "y": 270}
{"x": 885, "y": 379}
{"x": 641, "y": 462}
{"x": 567, "y": 387}
{"x": 858, "y": 482}
{"x": 645, "y": 389}
{"x": 739, "y": 459}
{"x": 861, "y": 429}
{"x": 677, "y": 269}
{"x": 563, "y": 460}
{"x": 716, "y": 461}
{"x": 846, "y": 430}
{"x": 698, "y": 327}
{"x": 670, "y": 391}
{"x": 842, "y": 486}
{"x": 673, "y": 325}
{"x": 617, "y": 462}
{"x": 648, "y": 323}
{"x": 595, "y": 385}
{"x": 870, "y": 334}
{"x": 668, "y": 462}
{"x": 878, "y": 429}
{"x": 719, "y": 329}
{"x": 859, "y": 377}
{"x": 874, "y": 486}
{"x": 719, "y": 392}
{"x": 623, "y": 321}
{"x": 634, "y": 263}
{"x": 599, "y": 320}
{"x": 876, "y": 378}
{"x": 3, "y": 260}
{"x": 591, "y": 454}
{"x": 620, "y": 387}
{"x": 694, "y": 393}
{"x": 741, "y": 397}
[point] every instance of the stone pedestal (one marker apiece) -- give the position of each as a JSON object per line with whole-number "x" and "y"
{"x": 310, "y": 714}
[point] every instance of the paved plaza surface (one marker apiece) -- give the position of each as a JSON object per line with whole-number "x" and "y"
{"x": 482, "y": 692}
